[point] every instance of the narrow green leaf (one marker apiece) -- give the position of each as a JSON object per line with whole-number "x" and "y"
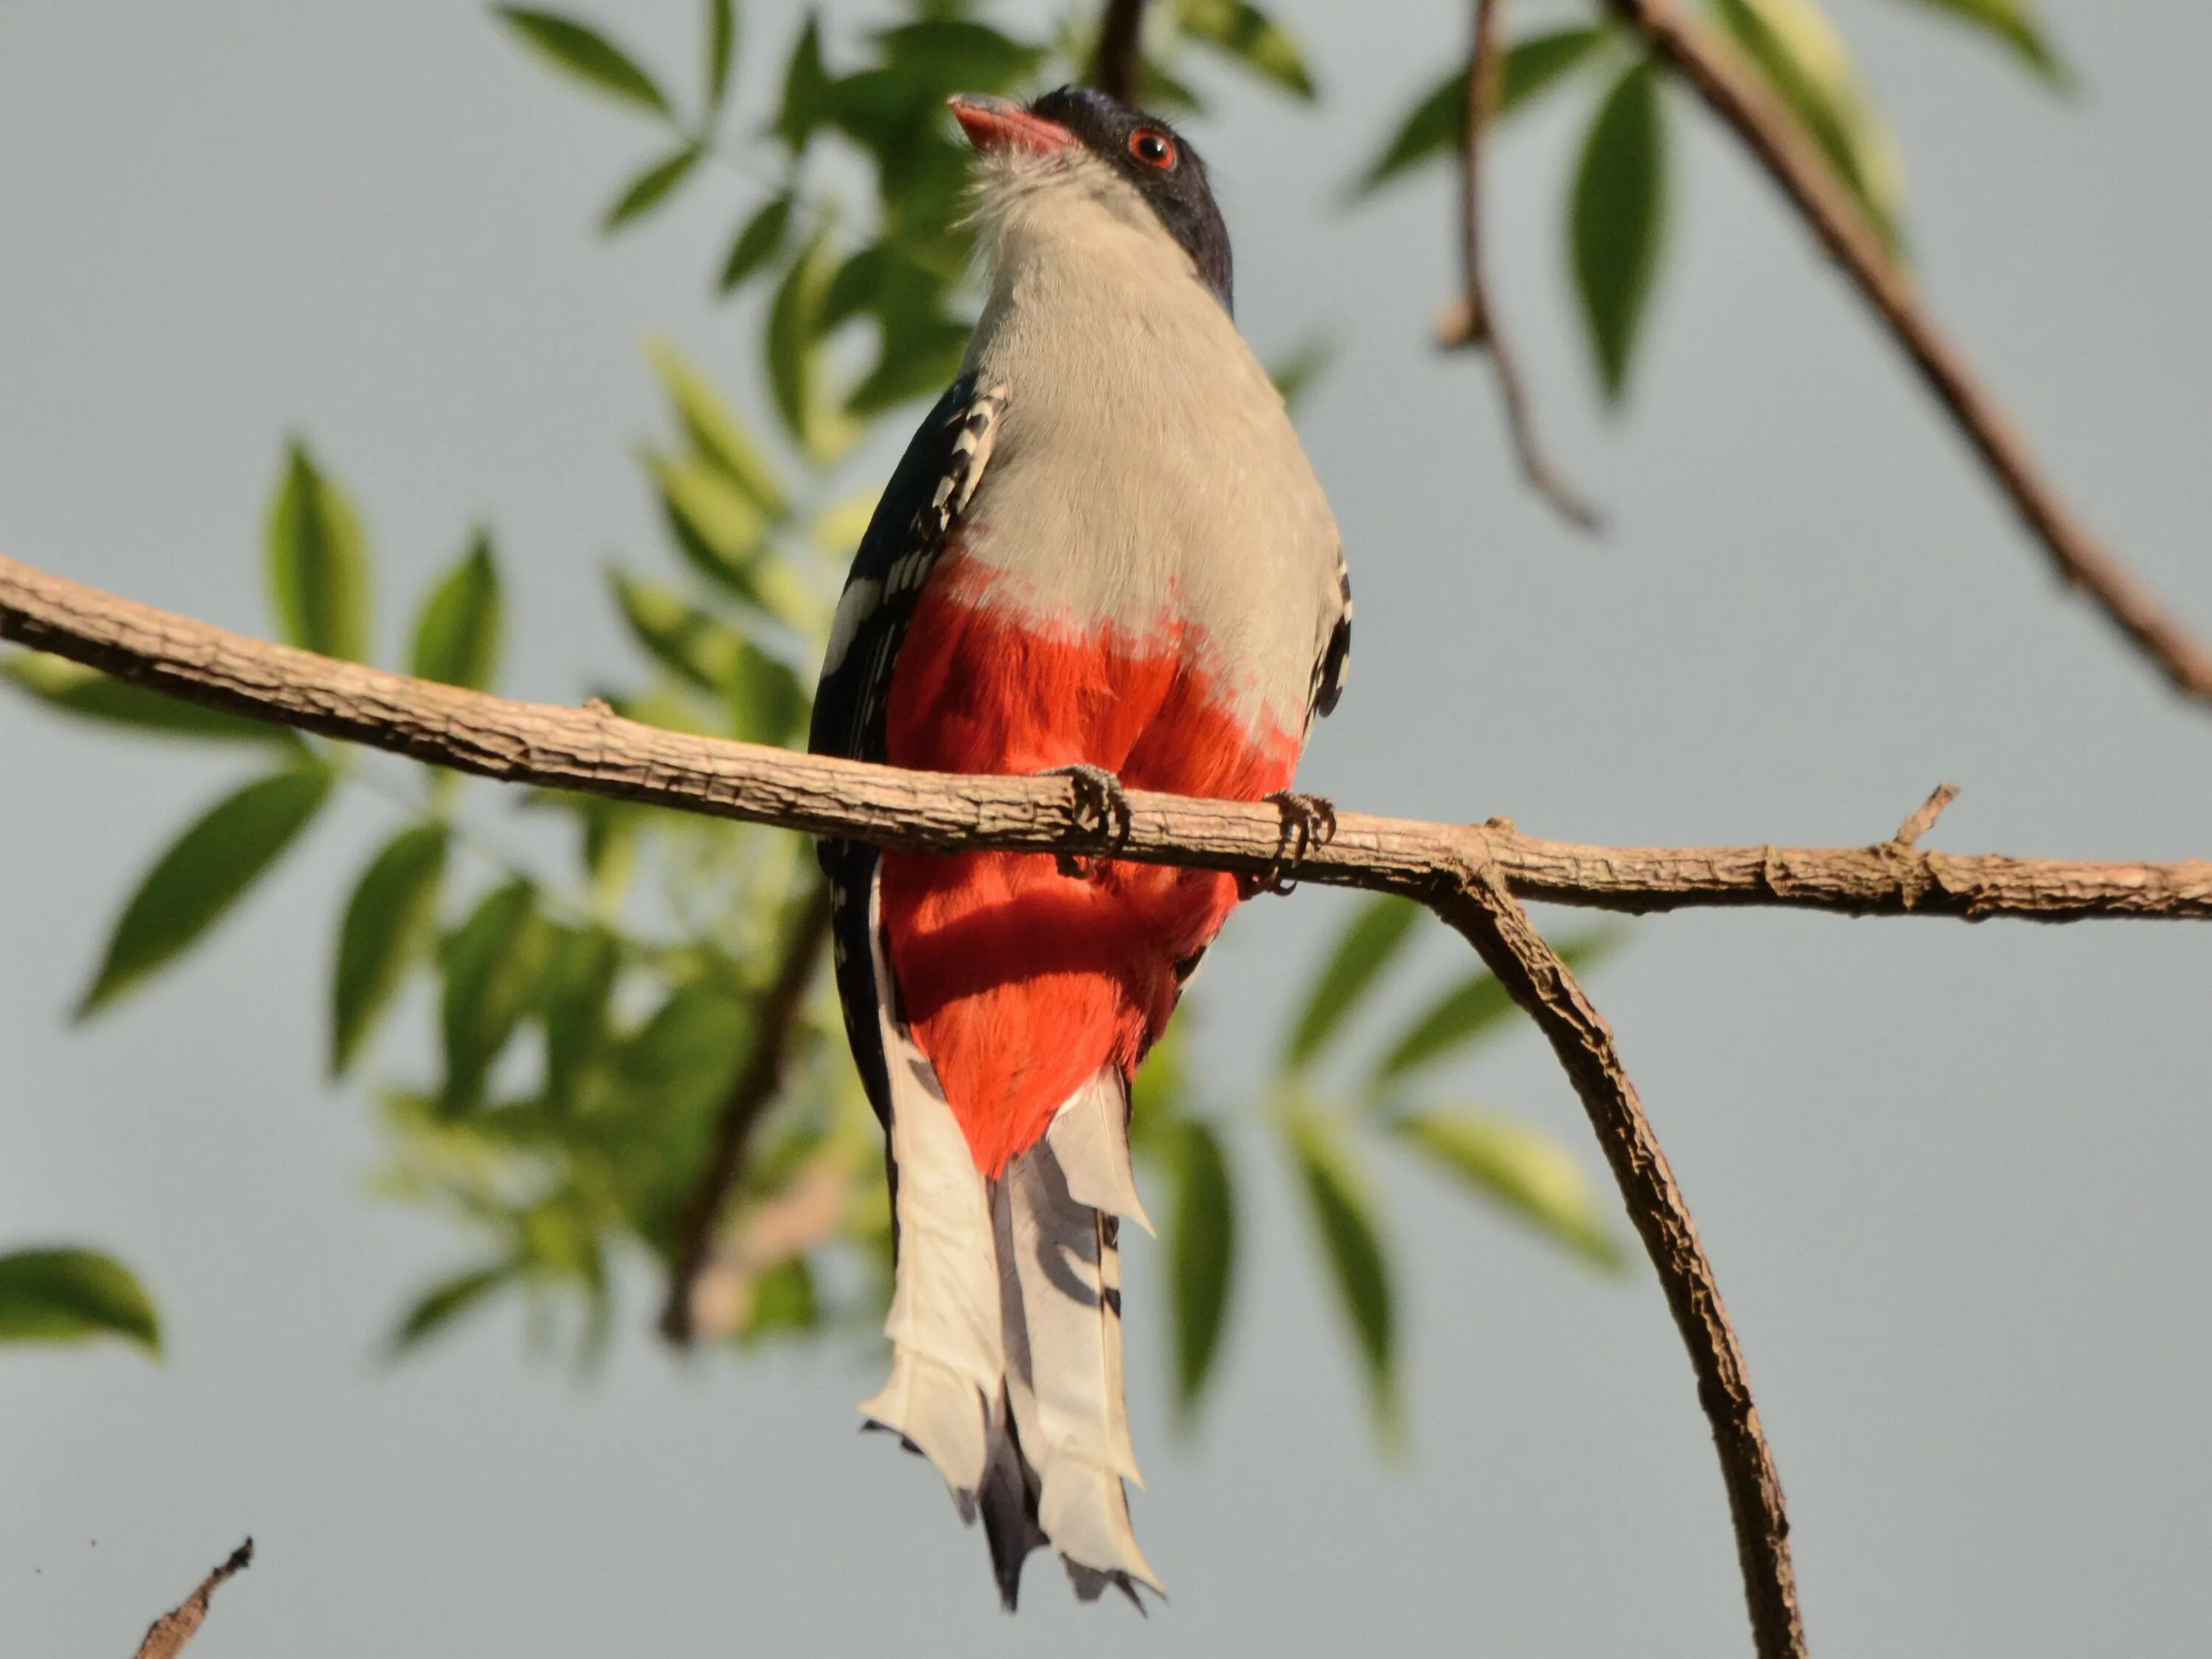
{"x": 2014, "y": 23}
{"x": 1474, "y": 1006}
{"x": 767, "y": 704}
{"x": 202, "y": 875}
{"x": 916, "y": 362}
{"x": 389, "y": 920}
{"x": 718, "y": 528}
{"x": 1201, "y": 1245}
{"x": 715, "y": 433}
{"x": 458, "y": 637}
{"x": 580, "y": 51}
{"x": 1343, "y": 1216}
{"x": 758, "y": 242}
{"x": 89, "y": 694}
{"x": 793, "y": 346}
{"x": 806, "y": 100}
{"x": 721, "y": 44}
{"x": 579, "y": 985}
{"x": 1797, "y": 50}
{"x": 650, "y": 188}
{"x": 1365, "y": 948}
{"x": 491, "y": 965}
{"x": 1436, "y": 126}
{"x": 679, "y": 635}
{"x": 318, "y": 562}
{"x": 1527, "y": 1172}
{"x": 944, "y": 54}
{"x": 445, "y": 1302}
{"x": 783, "y": 1300}
{"x": 1242, "y": 31}
{"x": 1617, "y": 222}
{"x": 74, "y": 1296}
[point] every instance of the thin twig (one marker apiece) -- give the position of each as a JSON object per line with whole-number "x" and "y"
{"x": 756, "y": 1086}
{"x": 167, "y": 1636}
{"x": 1472, "y": 319}
{"x": 1118, "y": 69}
{"x": 1512, "y": 949}
{"x": 1924, "y": 816}
{"x": 2077, "y": 553}
{"x": 594, "y": 751}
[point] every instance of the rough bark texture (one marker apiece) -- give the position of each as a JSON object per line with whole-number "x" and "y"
{"x": 2080, "y": 556}
{"x": 592, "y": 752}
{"x": 167, "y": 1636}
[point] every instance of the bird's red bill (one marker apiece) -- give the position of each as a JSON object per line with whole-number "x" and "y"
{"x": 1000, "y": 123}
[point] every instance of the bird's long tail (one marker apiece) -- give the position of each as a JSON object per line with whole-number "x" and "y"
{"x": 1005, "y": 1325}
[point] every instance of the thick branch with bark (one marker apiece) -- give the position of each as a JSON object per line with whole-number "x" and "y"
{"x": 592, "y": 752}
{"x": 2080, "y": 556}
{"x": 1513, "y": 951}
{"x": 1472, "y": 319}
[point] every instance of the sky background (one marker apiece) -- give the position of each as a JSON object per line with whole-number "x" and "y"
{"x": 1951, "y": 1176}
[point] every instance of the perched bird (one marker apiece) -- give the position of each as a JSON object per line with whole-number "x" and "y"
{"x": 1104, "y": 553}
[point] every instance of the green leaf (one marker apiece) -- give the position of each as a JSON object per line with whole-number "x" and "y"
{"x": 1375, "y": 935}
{"x": 806, "y": 101}
{"x": 1294, "y": 374}
{"x": 202, "y": 875}
{"x": 760, "y": 241}
{"x": 916, "y": 362}
{"x": 1201, "y": 1245}
{"x": 721, "y": 45}
{"x": 74, "y": 1296}
{"x": 90, "y": 695}
{"x": 457, "y": 638}
{"x": 1794, "y": 46}
{"x": 491, "y": 965}
{"x": 794, "y": 358}
{"x": 1618, "y": 222}
{"x": 2014, "y": 23}
{"x": 650, "y": 188}
{"x": 1475, "y": 1005}
{"x": 1242, "y": 30}
{"x": 318, "y": 562}
{"x": 718, "y": 528}
{"x": 1343, "y": 1216}
{"x": 714, "y": 431}
{"x": 783, "y": 1300}
{"x": 678, "y": 634}
{"x": 1435, "y": 127}
{"x": 578, "y": 50}
{"x": 443, "y": 1303}
{"x": 388, "y": 921}
{"x": 949, "y": 53}
{"x": 1524, "y": 1169}
{"x": 767, "y": 704}
{"x": 580, "y": 982}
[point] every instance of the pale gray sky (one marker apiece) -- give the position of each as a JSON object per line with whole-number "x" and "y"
{"x": 1952, "y": 1177}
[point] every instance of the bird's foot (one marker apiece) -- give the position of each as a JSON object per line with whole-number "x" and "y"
{"x": 1308, "y": 821}
{"x": 1101, "y": 805}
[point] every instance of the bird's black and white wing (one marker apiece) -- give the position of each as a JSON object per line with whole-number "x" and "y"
{"x": 1334, "y": 666}
{"x": 913, "y": 522}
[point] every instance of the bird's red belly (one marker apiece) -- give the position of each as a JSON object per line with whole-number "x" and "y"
{"x": 1020, "y": 982}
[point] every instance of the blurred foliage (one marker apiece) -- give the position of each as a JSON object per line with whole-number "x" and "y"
{"x": 589, "y": 1026}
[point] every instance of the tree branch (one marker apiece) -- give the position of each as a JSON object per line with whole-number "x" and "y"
{"x": 1472, "y": 319}
{"x": 592, "y": 752}
{"x": 2078, "y": 553}
{"x": 751, "y": 1096}
{"x": 167, "y": 1636}
{"x": 1511, "y": 948}
{"x": 1118, "y": 70}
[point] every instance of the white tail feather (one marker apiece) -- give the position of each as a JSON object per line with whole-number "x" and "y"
{"x": 1090, "y": 1136}
{"x": 948, "y": 1353}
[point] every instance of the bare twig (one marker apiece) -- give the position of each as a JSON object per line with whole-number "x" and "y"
{"x": 2077, "y": 553}
{"x": 592, "y": 752}
{"x": 167, "y": 1636}
{"x": 756, "y": 1088}
{"x": 1118, "y": 70}
{"x": 1512, "y": 949}
{"x": 1472, "y": 320}
{"x": 1924, "y": 816}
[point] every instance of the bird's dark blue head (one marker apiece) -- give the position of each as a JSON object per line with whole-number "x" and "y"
{"x": 1155, "y": 159}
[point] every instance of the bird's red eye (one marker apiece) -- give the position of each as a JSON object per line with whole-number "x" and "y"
{"x": 1153, "y": 148}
